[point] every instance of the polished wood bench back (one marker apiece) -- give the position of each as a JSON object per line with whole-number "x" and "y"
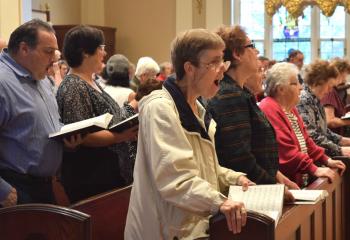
{"x": 327, "y": 219}
{"x": 108, "y": 213}
{"x": 43, "y": 222}
{"x": 260, "y": 223}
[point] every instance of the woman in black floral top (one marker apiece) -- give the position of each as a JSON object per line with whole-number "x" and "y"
{"x": 320, "y": 77}
{"x": 105, "y": 159}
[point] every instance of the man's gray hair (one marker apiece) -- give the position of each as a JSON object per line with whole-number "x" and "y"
{"x": 279, "y": 74}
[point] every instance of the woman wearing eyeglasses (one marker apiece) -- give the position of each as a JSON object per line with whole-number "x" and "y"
{"x": 177, "y": 179}
{"x": 98, "y": 165}
{"x": 245, "y": 140}
{"x": 297, "y": 151}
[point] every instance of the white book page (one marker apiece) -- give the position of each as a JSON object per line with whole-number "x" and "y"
{"x": 312, "y": 196}
{"x": 266, "y": 199}
{"x": 346, "y": 116}
{"x": 259, "y": 197}
{"x": 101, "y": 121}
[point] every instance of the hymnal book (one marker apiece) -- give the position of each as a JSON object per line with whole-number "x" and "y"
{"x": 346, "y": 116}
{"x": 95, "y": 124}
{"x": 305, "y": 196}
{"x": 125, "y": 124}
{"x": 265, "y": 199}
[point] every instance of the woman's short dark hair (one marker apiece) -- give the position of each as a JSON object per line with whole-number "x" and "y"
{"x": 28, "y": 33}
{"x": 81, "y": 40}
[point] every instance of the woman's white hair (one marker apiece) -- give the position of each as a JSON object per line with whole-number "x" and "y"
{"x": 279, "y": 74}
{"x": 145, "y": 65}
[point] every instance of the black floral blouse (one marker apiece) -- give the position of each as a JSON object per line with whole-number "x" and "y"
{"x": 314, "y": 117}
{"x": 77, "y": 101}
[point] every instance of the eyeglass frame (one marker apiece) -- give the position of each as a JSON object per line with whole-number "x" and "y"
{"x": 250, "y": 45}
{"x": 217, "y": 65}
{"x": 102, "y": 47}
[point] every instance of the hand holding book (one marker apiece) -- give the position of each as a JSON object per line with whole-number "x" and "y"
{"x": 95, "y": 124}
{"x": 73, "y": 141}
{"x": 236, "y": 215}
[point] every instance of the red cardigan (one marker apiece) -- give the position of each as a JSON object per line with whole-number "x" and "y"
{"x": 291, "y": 160}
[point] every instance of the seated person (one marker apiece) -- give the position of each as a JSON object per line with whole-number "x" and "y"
{"x": 244, "y": 138}
{"x": 146, "y": 68}
{"x": 320, "y": 77}
{"x": 177, "y": 179}
{"x": 166, "y": 69}
{"x": 117, "y": 84}
{"x": 64, "y": 68}
{"x": 297, "y": 151}
{"x": 334, "y": 102}
{"x": 296, "y": 57}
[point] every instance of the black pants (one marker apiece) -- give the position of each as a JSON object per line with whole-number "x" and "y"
{"x": 30, "y": 189}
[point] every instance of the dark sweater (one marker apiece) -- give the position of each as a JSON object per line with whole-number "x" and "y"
{"x": 245, "y": 140}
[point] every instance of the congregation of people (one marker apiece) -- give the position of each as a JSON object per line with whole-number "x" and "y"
{"x": 217, "y": 114}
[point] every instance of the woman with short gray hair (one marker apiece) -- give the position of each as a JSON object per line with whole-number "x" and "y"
{"x": 297, "y": 151}
{"x": 280, "y": 76}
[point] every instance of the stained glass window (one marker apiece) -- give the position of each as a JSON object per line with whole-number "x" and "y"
{"x": 291, "y": 33}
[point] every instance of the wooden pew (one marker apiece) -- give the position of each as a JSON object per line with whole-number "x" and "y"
{"x": 43, "y": 222}
{"x": 323, "y": 220}
{"x": 108, "y": 213}
{"x": 256, "y": 222}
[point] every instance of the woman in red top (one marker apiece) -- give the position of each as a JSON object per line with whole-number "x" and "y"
{"x": 298, "y": 153}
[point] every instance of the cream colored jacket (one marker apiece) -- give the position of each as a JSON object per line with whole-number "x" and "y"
{"x": 177, "y": 177}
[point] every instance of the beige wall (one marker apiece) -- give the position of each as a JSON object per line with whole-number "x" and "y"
{"x": 10, "y": 17}
{"x": 92, "y": 12}
{"x": 144, "y": 28}
{"x": 61, "y": 11}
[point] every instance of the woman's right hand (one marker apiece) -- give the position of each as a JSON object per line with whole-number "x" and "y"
{"x": 128, "y": 135}
{"x": 325, "y": 172}
{"x": 236, "y": 215}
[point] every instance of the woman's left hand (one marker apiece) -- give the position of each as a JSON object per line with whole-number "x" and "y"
{"x": 336, "y": 164}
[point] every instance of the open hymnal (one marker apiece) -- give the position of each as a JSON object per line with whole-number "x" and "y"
{"x": 305, "y": 196}
{"x": 125, "y": 124}
{"x": 346, "y": 116}
{"x": 265, "y": 199}
{"x": 94, "y": 125}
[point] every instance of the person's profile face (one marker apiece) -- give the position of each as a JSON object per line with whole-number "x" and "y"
{"x": 293, "y": 90}
{"x": 249, "y": 58}
{"x": 40, "y": 58}
{"x": 327, "y": 86}
{"x": 298, "y": 60}
{"x": 208, "y": 72}
{"x": 63, "y": 70}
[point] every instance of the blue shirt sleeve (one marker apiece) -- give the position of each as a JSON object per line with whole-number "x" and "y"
{"x": 4, "y": 111}
{"x": 5, "y": 188}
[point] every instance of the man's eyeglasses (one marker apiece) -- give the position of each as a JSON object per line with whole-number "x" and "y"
{"x": 251, "y": 45}
{"x": 217, "y": 65}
